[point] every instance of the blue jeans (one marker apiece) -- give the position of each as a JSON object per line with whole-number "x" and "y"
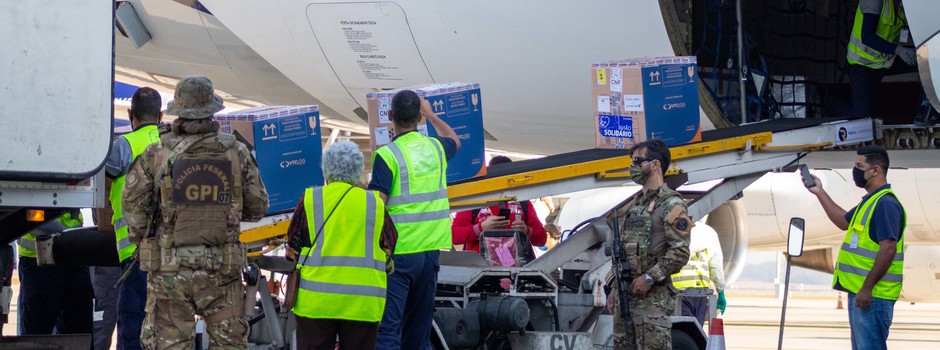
{"x": 870, "y": 325}
{"x": 409, "y": 302}
{"x": 132, "y": 296}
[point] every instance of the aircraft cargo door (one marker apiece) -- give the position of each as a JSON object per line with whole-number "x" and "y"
{"x": 368, "y": 45}
{"x": 56, "y": 73}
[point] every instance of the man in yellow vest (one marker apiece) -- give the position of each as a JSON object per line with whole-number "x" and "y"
{"x": 144, "y": 115}
{"x": 703, "y": 271}
{"x": 871, "y": 261}
{"x": 52, "y": 298}
{"x": 411, "y": 176}
{"x": 337, "y": 230}
{"x": 874, "y": 45}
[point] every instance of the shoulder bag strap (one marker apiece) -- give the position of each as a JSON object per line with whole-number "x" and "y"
{"x": 327, "y": 219}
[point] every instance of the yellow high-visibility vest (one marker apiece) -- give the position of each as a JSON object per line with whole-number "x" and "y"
{"x": 27, "y": 243}
{"x": 417, "y": 201}
{"x": 694, "y": 274}
{"x": 343, "y": 272}
{"x": 854, "y": 263}
{"x": 889, "y": 28}
{"x": 138, "y": 140}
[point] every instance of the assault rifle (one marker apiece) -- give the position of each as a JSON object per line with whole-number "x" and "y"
{"x": 620, "y": 267}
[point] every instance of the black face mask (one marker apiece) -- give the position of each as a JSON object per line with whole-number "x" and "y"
{"x": 859, "y": 176}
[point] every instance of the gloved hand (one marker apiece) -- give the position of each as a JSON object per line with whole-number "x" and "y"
{"x": 908, "y": 55}
{"x": 722, "y": 302}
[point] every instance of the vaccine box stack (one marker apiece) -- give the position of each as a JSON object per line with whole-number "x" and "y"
{"x": 640, "y": 99}
{"x": 460, "y": 105}
{"x": 287, "y": 144}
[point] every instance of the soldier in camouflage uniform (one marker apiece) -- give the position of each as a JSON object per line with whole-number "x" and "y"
{"x": 654, "y": 230}
{"x": 196, "y": 185}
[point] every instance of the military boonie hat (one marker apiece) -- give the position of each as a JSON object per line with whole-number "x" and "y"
{"x": 194, "y": 99}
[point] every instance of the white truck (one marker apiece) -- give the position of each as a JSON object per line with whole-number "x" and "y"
{"x": 56, "y": 81}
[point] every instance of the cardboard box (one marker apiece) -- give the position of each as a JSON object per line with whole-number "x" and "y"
{"x": 460, "y": 105}
{"x": 641, "y": 99}
{"x": 286, "y": 142}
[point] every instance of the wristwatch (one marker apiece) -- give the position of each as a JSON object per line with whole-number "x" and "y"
{"x": 648, "y": 278}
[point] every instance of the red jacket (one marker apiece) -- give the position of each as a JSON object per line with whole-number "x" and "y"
{"x": 467, "y": 232}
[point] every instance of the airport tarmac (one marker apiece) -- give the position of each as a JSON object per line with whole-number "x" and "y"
{"x": 813, "y": 322}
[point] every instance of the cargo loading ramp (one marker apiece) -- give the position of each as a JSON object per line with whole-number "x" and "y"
{"x": 737, "y": 156}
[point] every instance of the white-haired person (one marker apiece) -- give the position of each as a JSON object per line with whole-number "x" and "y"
{"x": 337, "y": 238}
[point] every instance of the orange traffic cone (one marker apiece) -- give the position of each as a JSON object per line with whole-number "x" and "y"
{"x": 716, "y": 335}
{"x": 839, "y": 303}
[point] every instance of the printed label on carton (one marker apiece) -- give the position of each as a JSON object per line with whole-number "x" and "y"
{"x": 381, "y": 136}
{"x": 385, "y": 104}
{"x": 675, "y": 75}
{"x": 615, "y": 126}
{"x": 616, "y": 80}
{"x": 633, "y": 103}
{"x": 603, "y": 104}
{"x": 458, "y": 104}
{"x": 601, "y": 76}
{"x": 292, "y": 128}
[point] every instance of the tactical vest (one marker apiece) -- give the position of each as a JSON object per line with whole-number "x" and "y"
{"x": 854, "y": 263}
{"x": 638, "y": 228}
{"x": 200, "y": 205}
{"x": 138, "y": 140}
{"x": 890, "y": 23}
{"x": 694, "y": 274}
{"x": 343, "y": 273}
{"x": 27, "y": 243}
{"x": 417, "y": 201}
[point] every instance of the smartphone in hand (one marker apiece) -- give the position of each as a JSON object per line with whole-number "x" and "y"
{"x": 504, "y": 212}
{"x": 807, "y": 177}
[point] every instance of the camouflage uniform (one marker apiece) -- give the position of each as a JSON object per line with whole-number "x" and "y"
{"x": 654, "y": 230}
{"x": 208, "y": 183}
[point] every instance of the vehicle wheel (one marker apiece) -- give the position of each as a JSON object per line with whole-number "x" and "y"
{"x": 683, "y": 341}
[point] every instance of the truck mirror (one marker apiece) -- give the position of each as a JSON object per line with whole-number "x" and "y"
{"x": 795, "y": 237}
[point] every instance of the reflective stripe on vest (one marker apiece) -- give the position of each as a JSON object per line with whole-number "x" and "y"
{"x": 889, "y": 29}
{"x": 27, "y": 243}
{"x": 138, "y": 140}
{"x": 854, "y": 264}
{"x": 417, "y": 201}
{"x": 343, "y": 274}
{"x": 694, "y": 274}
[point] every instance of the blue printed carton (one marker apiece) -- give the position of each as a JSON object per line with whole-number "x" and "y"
{"x": 287, "y": 144}
{"x": 641, "y": 99}
{"x": 460, "y": 105}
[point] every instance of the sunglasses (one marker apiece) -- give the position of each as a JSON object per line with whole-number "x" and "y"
{"x": 641, "y": 160}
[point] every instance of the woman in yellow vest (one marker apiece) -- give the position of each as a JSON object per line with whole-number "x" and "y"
{"x": 871, "y": 261}
{"x": 337, "y": 230}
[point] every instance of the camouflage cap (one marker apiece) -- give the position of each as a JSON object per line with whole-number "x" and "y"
{"x": 194, "y": 99}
